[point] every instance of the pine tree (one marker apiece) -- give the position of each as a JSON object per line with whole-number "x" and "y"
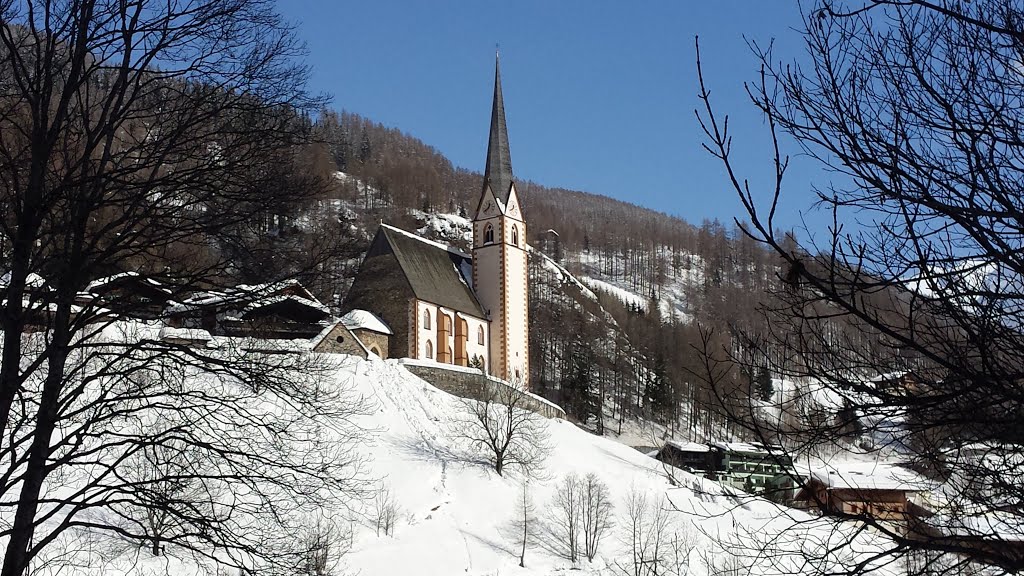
{"x": 763, "y": 384}
{"x": 579, "y": 397}
{"x": 658, "y": 392}
{"x": 364, "y": 148}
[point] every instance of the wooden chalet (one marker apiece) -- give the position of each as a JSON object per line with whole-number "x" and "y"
{"x": 878, "y": 491}
{"x": 284, "y": 310}
{"x": 128, "y": 294}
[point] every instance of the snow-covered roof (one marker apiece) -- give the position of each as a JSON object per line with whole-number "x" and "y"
{"x": 433, "y": 243}
{"x": 688, "y": 446}
{"x": 249, "y": 297}
{"x": 746, "y": 447}
{"x": 365, "y": 320}
{"x": 193, "y": 334}
{"x": 33, "y": 280}
{"x": 115, "y": 277}
{"x": 864, "y": 475}
{"x": 263, "y": 302}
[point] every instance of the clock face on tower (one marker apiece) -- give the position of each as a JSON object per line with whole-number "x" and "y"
{"x": 487, "y": 207}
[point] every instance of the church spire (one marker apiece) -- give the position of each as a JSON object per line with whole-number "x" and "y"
{"x": 498, "y": 172}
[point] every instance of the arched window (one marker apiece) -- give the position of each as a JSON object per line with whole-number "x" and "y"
{"x": 515, "y": 235}
{"x": 480, "y": 335}
{"x": 430, "y": 350}
{"x": 488, "y": 234}
{"x": 375, "y": 350}
{"x": 426, "y": 319}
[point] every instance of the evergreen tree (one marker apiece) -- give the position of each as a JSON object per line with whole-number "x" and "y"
{"x": 364, "y": 148}
{"x": 763, "y": 384}
{"x": 658, "y": 392}
{"x": 579, "y": 397}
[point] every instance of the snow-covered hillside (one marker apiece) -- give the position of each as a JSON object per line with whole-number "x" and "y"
{"x": 457, "y": 516}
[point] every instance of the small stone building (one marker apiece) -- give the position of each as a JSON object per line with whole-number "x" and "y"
{"x": 370, "y": 330}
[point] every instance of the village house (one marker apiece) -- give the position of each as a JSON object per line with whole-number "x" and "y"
{"x": 445, "y": 306}
{"x": 875, "y": 490}
{"x": 128, "y": 294}
{"x": 282, "y": 310}
{"x": 750, "y": 467}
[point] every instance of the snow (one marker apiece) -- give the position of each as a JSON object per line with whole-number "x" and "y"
{"x": 563, "y": 275}
{"x": 456, "y": 513}
{"x": 744, "y": 447}
{"x": 622, "y": 294}
{"x": 33, "y": 280}
{"x": 192, "y": 334}
{"x": 688, "y": 446}
{"x": 451, "y": 227}
{"x": 109, "y": 279}
{"x": 672, "y": 300}
{"x": 455, "y": 251}
{"x": 365, "y": 320}
{"x": 854, "y": 473}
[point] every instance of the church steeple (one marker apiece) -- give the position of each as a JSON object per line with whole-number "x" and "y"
{"x": 500, "y": 273}
{"x": 498, "y": 172}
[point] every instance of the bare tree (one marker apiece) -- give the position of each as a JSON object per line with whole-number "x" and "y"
{"x": 655, "y": 544}
{"x": 566, "y": 516}
{"x": 500, "y": 426}
{"x": 596, "y": 513}
{"x": 525, "y": 529}
{"x": 159, "y": 138}
{"x": 906, "y": 317}
{"x": 324, "y": 545}
{"x": 385, "y": 511}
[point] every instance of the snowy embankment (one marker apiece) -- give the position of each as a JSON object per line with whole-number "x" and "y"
{"x": 457, "y": 516}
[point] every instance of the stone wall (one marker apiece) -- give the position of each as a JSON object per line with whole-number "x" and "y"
{"x": 470, "y": 383}
{"x": 381, "y": 287}
{"x": 340, "y": 341}
{"x": 372, "y": 339}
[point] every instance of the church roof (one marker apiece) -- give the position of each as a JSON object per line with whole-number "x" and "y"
{"x": 436, "y": 273}
{"x": 498, "y": 171}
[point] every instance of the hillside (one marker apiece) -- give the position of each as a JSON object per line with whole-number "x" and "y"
{"x": 615, "y": 345}
{"x": 454, "y": 515}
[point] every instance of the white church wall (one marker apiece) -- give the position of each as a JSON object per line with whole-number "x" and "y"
{"x": 426, "y": 331}
{"x": 517, "y": 343}
{"x": 473, "y": 346}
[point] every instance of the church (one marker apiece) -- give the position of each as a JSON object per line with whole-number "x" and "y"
{"x": 445, "y": 306}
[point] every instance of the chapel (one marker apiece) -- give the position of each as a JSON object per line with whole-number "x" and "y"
{"x": 448, "y": 307}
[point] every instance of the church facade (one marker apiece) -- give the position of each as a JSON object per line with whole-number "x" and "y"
{"x": 446, "y": 306}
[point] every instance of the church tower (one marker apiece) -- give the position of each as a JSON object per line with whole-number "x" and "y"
{"x": 499, "y": 255}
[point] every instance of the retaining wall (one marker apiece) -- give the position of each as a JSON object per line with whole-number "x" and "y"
{"x": 471, "y": 383}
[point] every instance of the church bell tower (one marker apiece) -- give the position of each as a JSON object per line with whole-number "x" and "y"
{"x": 499, "y": 255}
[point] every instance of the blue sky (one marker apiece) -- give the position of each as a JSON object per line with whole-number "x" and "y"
{"x": 599, "y": 95}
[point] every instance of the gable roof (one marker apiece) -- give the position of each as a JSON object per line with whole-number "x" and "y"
{"x": 498, "y": 171}
{"x": 365, "y": 320}
{"x": 436, "y": 273}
